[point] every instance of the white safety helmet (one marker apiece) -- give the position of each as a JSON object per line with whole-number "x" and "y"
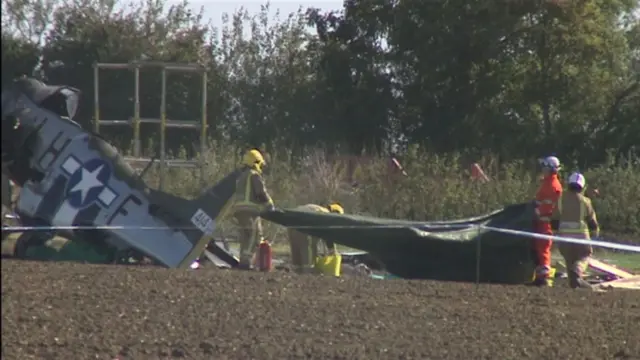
{"x": 551, "y": 163}
{"x": 577, "y": 179}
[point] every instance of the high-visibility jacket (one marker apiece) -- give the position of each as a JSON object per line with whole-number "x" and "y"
{"x": 574, "y": 216}
{"x": 547, "y": 197}
{"x": 251, "y": 195}
{"x": 7, "y": 191}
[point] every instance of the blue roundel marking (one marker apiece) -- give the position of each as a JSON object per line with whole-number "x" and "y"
{"x": 87, "y": 182}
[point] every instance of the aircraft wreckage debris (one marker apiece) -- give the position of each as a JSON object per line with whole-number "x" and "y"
{"x": 76, "y": 311}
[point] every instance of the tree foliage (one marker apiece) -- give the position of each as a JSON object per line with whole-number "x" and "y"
{"x": 514, "y": 78}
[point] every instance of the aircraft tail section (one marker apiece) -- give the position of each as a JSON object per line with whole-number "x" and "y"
{"x": 198, "y": 217}
{"x": 215, "y": 201}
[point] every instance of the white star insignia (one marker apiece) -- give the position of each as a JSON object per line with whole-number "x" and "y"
{"x": 88, "y": 181}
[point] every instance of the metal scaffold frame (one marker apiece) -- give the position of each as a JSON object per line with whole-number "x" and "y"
{"x": 136, "y": 120}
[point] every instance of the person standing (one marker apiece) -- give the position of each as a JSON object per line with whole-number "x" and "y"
{"x": 574, "y": 217}
{"x": 546, "y": 200}
{"x": 250, "y": 199}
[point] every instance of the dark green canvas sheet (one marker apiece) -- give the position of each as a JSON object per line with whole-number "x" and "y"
{"x": 60, "y": 249}
{"x": 429, "y": 250}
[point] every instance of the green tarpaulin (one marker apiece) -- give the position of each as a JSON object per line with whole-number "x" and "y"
{"x": 429, "y": 250}
{"x": 59, "y": 249}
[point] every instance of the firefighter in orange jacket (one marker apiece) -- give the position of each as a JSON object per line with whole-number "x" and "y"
{"x": 546, "y": 200}
{"x": 250, "y": 199}
{"x": 574, "y": 217}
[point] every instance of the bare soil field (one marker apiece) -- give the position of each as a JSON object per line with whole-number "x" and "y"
{"x": 76, "y": 311}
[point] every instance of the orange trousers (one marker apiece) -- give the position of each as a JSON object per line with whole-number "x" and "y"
{"x": 543, "y": 247}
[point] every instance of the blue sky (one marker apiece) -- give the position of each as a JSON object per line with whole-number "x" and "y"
{"x": 213, "y": 9}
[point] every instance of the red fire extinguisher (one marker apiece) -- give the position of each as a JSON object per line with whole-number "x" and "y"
{"x": 264, "y": 256}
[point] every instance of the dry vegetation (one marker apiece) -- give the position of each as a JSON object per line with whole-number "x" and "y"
{"x": 437, "y": 188}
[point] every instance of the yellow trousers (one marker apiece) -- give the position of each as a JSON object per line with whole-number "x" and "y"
{"x": 303, "y": 254}
{"x": 576, "y": 257}
{"x": 250, "y": 228}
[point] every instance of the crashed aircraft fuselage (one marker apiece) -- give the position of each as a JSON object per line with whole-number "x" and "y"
{"x": 71, "y": 178}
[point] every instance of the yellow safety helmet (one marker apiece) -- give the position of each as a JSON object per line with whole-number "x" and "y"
{"x": 253, "y": 159}
{"x": 336, "y": 208}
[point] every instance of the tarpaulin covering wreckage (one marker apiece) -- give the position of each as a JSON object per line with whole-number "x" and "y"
{"x": 430, "y": 250}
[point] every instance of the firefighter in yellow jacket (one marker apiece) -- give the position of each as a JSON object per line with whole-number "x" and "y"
{"x": 250, "y": 199}
{"x": 304, "y": 249}
{"x": 574, "y": 217}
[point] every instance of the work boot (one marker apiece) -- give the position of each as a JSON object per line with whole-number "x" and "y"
{"x": 245, "y": 266}
{"x": 583, "y": 284}
{"x": 577, "y": 282}
{"x": 542, "y": 282}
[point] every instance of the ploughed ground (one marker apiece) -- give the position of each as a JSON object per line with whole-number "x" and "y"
{"x": 77, "y": 311}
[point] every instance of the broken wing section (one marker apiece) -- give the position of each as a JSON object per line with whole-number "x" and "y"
{"x": 428, "y": 250}
{"x": 197, "y": 218}
{"x": 359, "y": 232}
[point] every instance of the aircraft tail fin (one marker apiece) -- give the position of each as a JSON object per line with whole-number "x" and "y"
{"x": 200, "y": 214}
{"x": 215, "y": 201}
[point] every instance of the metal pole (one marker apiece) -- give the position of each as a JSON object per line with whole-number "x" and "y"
{"x": 136, "y": 112}
{"x": 163, "y": 124}
{"x": 478, "y": 247}
{"x": 203, "y": 129}
{"x": 96, "y": 101}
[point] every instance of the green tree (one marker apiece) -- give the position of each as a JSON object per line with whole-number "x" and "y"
{"x": 24, "y": 24}
{"x": 516, "y": 79}
{"x": 19, "y": 57}
{"x": 88, "y": 32}
{"x": 268, "y": 79}
{"x": 576, "y": 55}
{"x": 355, "y": 91}
{"x": 513, "y": 78}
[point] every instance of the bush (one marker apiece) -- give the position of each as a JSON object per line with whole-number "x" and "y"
{"x": 436, "y": 188}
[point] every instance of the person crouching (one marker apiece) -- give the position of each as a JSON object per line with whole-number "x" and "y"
{"x": 304, "y": 248}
